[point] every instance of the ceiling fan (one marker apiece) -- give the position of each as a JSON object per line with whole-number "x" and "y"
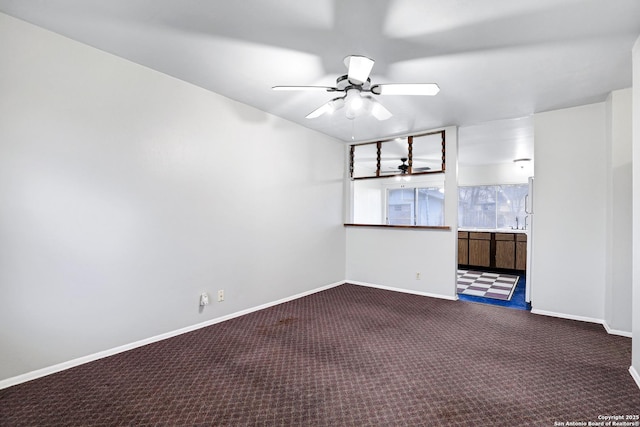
{"x": 357, "y": 88}
{"x": 404, "y": 168}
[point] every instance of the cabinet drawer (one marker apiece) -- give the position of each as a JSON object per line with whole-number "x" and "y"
{"x": 480, "y": 236}
{"x": 463, "y": 234}
{"x": 505, "y": 236}
{"x": 521, "y": 237}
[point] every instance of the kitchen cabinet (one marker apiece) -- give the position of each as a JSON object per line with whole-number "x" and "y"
{"x": 521, "y": 251}
{"x": 506, "y": 251}
{"x": 480, "y": 249}
{"x": 463, "y": 247}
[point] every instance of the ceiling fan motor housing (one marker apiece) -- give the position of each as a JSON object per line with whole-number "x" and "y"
{"x": 404, "y": 167}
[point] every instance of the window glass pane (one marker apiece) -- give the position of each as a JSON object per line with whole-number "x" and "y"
{"x": 427, "y": 153}
{"x": 430, "y": 210}
{"x": 400, "y": 206}
{"x": 477, "y": 206}
{"x": 391, "y": 155}
{"x": 365, "y": 160}
{"x": 492, "y": 206}
{"x": 511, "y": 211}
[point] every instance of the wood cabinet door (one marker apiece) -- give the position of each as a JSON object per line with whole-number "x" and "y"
{"x": 463, "y": 251}
{"x": 521, "y": 255}
{"x": 480, "y": 252}
{"x": 505, "y": 254}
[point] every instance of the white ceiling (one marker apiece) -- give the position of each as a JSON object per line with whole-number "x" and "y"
{"x": 493, "y": 59}
{"x": 496, "y": 142}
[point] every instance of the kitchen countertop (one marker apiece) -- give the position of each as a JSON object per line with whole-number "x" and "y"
{"x": 493, "y": 230}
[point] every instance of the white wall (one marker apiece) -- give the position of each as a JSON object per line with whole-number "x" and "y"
{"x": 570, "y": 212}
{"x": 125, "y": 193}
{"x": 391, "y": 257}
{"x": 502, "y": 173}
{"x": 368, "y": 197}
{"x": 635, "y": 365}
{"x": 619, "y": 215}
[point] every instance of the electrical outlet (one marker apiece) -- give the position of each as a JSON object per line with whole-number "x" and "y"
{"x": 204, "y": 298}
{"x": 418, "y": 276}
{"x": 220, "y": 295}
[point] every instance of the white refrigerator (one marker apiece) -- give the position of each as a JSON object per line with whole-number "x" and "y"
{"x": 529, "y": 221}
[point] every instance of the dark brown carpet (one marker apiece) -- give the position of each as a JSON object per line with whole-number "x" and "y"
{"x": 348, "y": 356}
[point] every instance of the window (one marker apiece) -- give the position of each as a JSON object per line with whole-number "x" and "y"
{"x": 415, "y": 206}
{"x": 381, "y": 193}
{"x": 492, "y": 206}
{"x": 411, "y": 155}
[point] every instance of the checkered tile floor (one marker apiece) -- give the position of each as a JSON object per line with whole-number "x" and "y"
{"x": 488, "y": 285}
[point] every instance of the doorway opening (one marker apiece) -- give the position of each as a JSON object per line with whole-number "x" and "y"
{"x": 504, "y": 288}
{"x": 495, "y": 163}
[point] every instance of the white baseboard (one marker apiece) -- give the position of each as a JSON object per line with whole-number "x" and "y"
{"x": 39, "y": 373}
{"x": 609, "y": 330}
{"x": 406, "y": 291}
{"x": 567, "y": 316}
{"x": 635, "y": 375}
{"x": 619, "y": 332}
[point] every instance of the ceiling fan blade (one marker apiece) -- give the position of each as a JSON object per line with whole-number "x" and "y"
{"x": 323, "y": 109}
{"x": 359, "y": 68}
{"x": 379, "y": 111}
{"x": 328, "y": 108}
{"x": 314, "y": 88}
{"x": 429, "y": 89}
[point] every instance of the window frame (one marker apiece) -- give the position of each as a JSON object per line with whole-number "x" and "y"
{"x": 379, "y": 174}
{"x": 497, "y": 189}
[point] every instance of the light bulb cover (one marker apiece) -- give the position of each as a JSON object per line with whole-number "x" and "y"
{"x": 379, "y": 111}
{"x": 328, "y": 108}
{"x": 354, "y": 103}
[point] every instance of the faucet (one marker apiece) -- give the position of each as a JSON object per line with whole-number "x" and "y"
{"x": 517, "y": 227}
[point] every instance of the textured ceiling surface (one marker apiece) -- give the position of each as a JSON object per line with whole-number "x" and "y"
{"x": 494, "y": 60}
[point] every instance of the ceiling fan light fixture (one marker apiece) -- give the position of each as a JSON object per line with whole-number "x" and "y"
{"x": 354, "y": 103}
{"x": 353, "y": 99}
{"x": 403, "y": 177}
{"x": 404, "y": 171}
{"x": 328, "y": 108}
